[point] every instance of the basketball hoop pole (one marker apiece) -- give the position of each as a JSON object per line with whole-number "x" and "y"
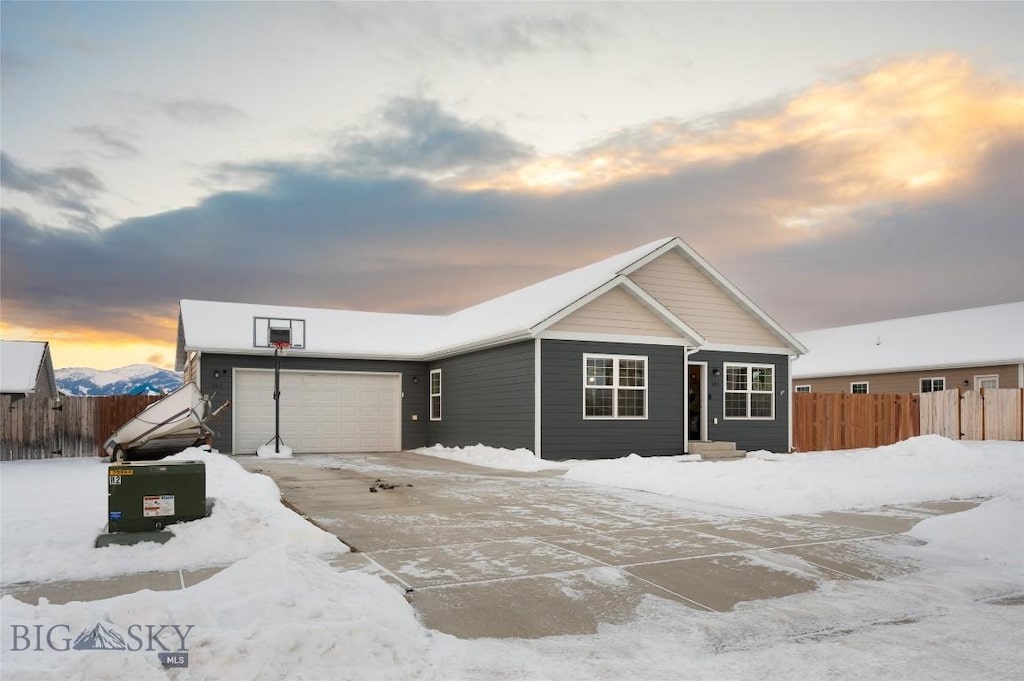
{"x": 277, "y": 395}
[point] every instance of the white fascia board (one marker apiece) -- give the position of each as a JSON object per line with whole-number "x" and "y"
{"x": 690, "y": 335}
{"x": 907, "y": 369}
{"x": 484, "y": 344}
{"x": 764, "y": 350}
{"x": 724, "y": 283}
{"x": 612, "y": 338}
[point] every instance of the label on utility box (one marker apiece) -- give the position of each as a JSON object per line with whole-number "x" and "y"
{"x": 157, "y": 506}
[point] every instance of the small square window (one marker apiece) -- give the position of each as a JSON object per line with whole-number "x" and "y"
{"x": 933, "y": 385}
{"x": 988, "y": 382}
{"x": 859, "y": 388}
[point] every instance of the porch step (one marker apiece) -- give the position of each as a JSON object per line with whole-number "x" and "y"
{"x": 715, "y": 451}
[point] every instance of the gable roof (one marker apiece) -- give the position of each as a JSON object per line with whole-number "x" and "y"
{"x": 20, "y": 364}
{"x": 977, "y": 336}
{"x": 518, "y": 315}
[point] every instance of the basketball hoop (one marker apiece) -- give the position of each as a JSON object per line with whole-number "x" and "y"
{"x": 279, "y": 347}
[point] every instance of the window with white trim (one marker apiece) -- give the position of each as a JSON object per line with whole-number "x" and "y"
{"x": 802, "y": 388}
{"x": 435, "y": 395}
{"x": 859, "y": 388}
{"x": 749, "y": 391}
{"x": 614, "y": 387}
{"x": 933, "y": 385}
{"x": 988, "y": 382}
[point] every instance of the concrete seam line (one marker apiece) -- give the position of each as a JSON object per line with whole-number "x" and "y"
{"x": 818, "y": 565}
{"x": 387, "y": 571}
{"x": 630, "y": 574}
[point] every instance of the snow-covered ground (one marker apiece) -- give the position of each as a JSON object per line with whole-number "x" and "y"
{"x": 53, "y": 510}
{"x": 923, "y": 468}
{"x": 282, "y": 612}
{"x": 493, "y": 457}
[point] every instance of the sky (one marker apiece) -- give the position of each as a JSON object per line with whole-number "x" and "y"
{"x": 839, "y": 162}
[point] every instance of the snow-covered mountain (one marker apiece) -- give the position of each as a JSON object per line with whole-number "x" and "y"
{"x": 133, "y": 379}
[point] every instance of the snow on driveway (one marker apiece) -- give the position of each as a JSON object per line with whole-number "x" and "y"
{"x": 284, "y": 613}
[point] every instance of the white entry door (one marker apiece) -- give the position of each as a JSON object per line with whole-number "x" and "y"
{"x": 321, "y": 411}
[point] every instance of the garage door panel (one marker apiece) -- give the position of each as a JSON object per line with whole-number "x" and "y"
{"x": 320, "y": 411}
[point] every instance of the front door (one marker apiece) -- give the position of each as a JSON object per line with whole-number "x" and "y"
{"x": 696, "y": 400}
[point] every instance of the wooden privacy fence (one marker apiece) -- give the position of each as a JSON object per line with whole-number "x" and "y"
{"x": 824, "y": 421}
{"x": 985, "y": 414}
{"x": 36, "y": 427}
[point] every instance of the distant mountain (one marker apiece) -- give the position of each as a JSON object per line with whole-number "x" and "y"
{"x": 134, "y": 379}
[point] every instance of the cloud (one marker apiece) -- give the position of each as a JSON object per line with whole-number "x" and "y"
{"x": 199, "y": 110}
{"x": 111, "y": 139}
{"x": 71, "y": 189}
{"x": 417, "y": 134}
{"x": 902, "y": 128}
{"x": 521, "y": 34}
{"x": 409, "y": 245}
{"x": 815, "y": 224}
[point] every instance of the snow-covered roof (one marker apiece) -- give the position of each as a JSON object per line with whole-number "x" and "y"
{"x": 976, "y": 336}
{"x": 228, "y": 327}
{"x": 20, "y": 362}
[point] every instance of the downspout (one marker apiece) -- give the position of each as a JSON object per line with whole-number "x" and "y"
{"x": 789, "y": 394}
{"x": 537, "y": 420}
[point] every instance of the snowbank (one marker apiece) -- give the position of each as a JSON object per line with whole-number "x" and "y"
{"x": 493, "y": 457}
{"x": 52, "y": 511}
{"x": 920, "y": 469}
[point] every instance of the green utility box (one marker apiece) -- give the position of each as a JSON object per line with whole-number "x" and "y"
{"x": 147, "y": 496}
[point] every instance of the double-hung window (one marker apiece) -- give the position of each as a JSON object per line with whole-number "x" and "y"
{"x": 614, "y": 387}
{"x": 749, "y": 391}
{"x": 435, "y": 395}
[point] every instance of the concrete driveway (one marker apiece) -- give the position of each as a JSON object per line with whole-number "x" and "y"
{"x": 487, "y": 553}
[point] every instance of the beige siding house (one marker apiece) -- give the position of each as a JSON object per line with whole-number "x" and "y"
{"x": 981, "y": 347}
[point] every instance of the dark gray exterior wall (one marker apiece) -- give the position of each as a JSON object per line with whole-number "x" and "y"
{"x": 414, "y": 395}
{"x": 564, "y": 432}
{"x": 486, "y": 397}
{"x": 748, "y": 435}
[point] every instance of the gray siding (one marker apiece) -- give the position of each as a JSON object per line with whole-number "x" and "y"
{"x": 564, "y": 432}
{"x": 414, "y": 395}
{"x": 486, "y": 397}
{"x": 749, "y": 435}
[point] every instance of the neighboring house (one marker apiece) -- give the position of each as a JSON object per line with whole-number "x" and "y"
{"x": 643, "y": 352}
{"x": 26, "y": 369}
{"x": 981, "y": 347}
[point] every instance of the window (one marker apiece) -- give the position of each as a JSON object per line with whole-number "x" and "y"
{"x": 435, "y": 395}
{"x": 749, "y": 391}
{"x": 859, "y": 388}
{"x": 988, "y": 382}
{"x": 802, "y": 388}
{"x": 614, "y": 387}
{"x": 932, "y": 385}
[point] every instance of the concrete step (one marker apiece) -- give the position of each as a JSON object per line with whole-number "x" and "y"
{"x": 715, "y": 451}
{"x": 701, "y": 446}
{"x": 723, "y": 455}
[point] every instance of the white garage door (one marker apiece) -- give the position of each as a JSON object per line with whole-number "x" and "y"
{"x": 320, "y": 411}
